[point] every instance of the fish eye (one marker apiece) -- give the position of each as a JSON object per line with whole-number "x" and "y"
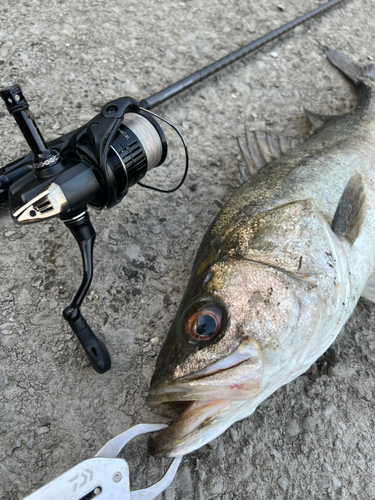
{"x": 203, "y": 322}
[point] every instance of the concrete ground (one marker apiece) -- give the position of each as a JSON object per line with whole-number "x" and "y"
{"x": 309, "y": 440}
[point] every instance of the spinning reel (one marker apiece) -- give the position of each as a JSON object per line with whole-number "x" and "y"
{"x": 93, "y": 166}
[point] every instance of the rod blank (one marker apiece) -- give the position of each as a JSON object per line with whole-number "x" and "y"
{"x": 186, "y": 83}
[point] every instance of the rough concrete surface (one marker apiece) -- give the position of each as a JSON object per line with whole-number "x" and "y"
{"x": 309, "y": 440}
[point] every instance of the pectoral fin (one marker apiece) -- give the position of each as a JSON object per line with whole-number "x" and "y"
{"x": 350, "y": 212}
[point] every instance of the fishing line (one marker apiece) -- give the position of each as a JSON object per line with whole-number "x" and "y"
{"x": 186, "y": 156}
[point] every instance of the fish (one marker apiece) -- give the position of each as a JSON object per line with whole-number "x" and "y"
{"x": 278, "y": 272}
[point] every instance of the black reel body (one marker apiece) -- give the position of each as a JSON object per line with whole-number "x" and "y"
{"x": 92, "y": 166}
{"x": 96, "y": 166}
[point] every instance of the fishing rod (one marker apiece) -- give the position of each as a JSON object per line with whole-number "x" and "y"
{"x": 95, "y": 166}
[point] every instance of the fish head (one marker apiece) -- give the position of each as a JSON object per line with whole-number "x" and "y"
{"x": 264, "y": 291}
{"x": 234, "y": 317}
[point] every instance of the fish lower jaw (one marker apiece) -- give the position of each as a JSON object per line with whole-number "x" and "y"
{"x": 233, "y": 393}
{"x": 190, "y": 430}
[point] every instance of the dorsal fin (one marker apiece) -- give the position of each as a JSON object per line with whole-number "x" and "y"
{"x": 350, "y": 211}
{"x": 318, "y": 121}
{"x": 260, "y": 149}
{"x": 352, "y": 71}
{"x": 250, "y": 167}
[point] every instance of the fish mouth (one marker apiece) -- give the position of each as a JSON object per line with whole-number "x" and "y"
{"x": 238, "y": 383}
{"x": 216, "y": 394}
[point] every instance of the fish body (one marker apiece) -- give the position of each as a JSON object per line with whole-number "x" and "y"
{"x": 277, "y": 275}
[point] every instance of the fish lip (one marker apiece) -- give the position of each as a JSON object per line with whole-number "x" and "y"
{"x": 214, "y": 384}
{"x": 174, "y": 442}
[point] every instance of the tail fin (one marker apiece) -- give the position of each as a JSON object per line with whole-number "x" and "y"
{"x": 352, "y": 71}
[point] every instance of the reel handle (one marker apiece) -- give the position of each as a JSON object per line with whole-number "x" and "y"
{"x": 84, "y": 233}
{"x": 94, "y": 348}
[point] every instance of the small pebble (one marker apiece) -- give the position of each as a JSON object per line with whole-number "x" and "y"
{"x": 16, "y": 444}
{"x": 167, "y": 300}
{"x": 234, "y": 434}
{"x": 46, "y": 420}
{"x": 42, "y": 430}
{"x": 201, "y": 475}
{"x": 53, "y": 304}
{"x": 156, "y": 229}
{"x": 215, "y": 485}
{"x": 36, "y": 281}
{"x": 5, "y": 326}
{"x": 335, "y": 482}
{"x": 283, "y": 483}
{"x": 293, "y": 428}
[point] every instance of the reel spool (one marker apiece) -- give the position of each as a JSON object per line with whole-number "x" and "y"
{"x": 138, "y": 147}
